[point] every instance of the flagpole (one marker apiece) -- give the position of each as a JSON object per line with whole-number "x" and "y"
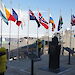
{"x": 18, "y": 35}
{"x": 37, "y": 35}
{"x": 70, "y": 39}
{"x": 49, "y": 25}
{"x": 10, "y": 34}
{"x": 1, "y": 32}
{"x": 28, "y": 33}
{"x": 61, "y": 35}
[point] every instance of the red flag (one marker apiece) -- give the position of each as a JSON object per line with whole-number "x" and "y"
{"x": 9, "y": 16}
{"x": 53, "y": 26}
{"x": 43, "y": 21}
{"x": 46, "y": 26}
{"x": 73, "y": 20}
{"x": 18, "y": 23}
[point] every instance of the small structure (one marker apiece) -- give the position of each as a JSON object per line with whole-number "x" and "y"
{"x": 54, "y": 54}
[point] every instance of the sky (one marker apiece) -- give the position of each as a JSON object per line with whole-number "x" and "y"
{"x": 46, "y": 7}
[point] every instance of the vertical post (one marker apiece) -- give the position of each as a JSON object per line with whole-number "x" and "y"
{"x": 1, "y": 32}
{"x": 37, "y": 37}
{"x": 32, "y": 67}
{"x": 18, "y": 33}
{"x": 48, "y": 39}
{"x": 18, "y": 44}
{"x": 10, "y": 33}
{"x": 70, "y": 40}
{"x": 9, "y": 39}
{"x": 28, "y": 32}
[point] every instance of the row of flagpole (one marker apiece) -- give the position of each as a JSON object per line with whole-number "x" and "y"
{"x": 18, "y": 33}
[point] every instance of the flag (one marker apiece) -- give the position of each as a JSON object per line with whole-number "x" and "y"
{"x": 9, "y": 16}
{"x": 2, "y": 7}
{"x": 14, "y": 14}
{"x": 42, "y": 21}
{"x": 2, "y": 12}
{"x": 18, "y": 23}
{"x": 3, "y": 17}
{"x": 22, "y": 26}
{"x": 33, "y": 17}
{"x": 72, "y": 20}
{"x": 52, "y": 22}
{"x": 53, "y": 26}
{"x": 60, "y": 23}
{"x": 16, "y": 17}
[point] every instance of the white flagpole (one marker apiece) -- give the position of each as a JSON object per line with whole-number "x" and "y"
{"x": 18, "y": 44}
{"x": 9, "y": 39}
{"x": 18, "y": 35}
{"x": 37, "y": 35}
{"x": 70, "y": 39}
{"x": 28, "y": 33}
{"x": 1, "y": 30}
{"x": 70, "y": 31}
{"x": 10, "y": 32}
{"x": 48, "y": 25}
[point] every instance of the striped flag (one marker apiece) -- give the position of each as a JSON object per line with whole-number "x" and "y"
{"x": 60, "y": 23}
{"x": 33, "y": 17}
{"x": 9, "y": 16}
{"x": 52, "y": 22}
{"x": 16, "y": 17}
{"x": 72, "y": 20}
{"x": 14, "y": 14}
{"x": 2, "y": 12}
{"x": 42, "y": 21}
{"x": 3, "y": 17}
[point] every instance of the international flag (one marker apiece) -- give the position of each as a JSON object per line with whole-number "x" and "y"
{"x": 14, "y": 14}
{"x": 3, "y": 17}
{"x": 2, "y": 12}
{"x": 18, "y": 23}
{"x": 9, "y": 16}
{"x": 42, "y": 21}
{"x": 16, "y": 17}
{"x": 60, "y": 23}
{"x": 52, "y": 22}
{"x": 2, "y": 7}
{"x": 33, "y": 17}
{"x": 53, "y": 26}
{"x": 72, "y": 20}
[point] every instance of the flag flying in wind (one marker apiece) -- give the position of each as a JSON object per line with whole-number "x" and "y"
{"x": 60, "y": 23}
{"x": 3, "y": 17}
{"x": 18, "y": 23}
{"x": 33, "y": 17}
{"x": 16, "y": 17}
{"x": 9, "y": 16}
{"x": 14, "y": 14}
{"x": 2, "y": 12}
{"x": 72, "y": 20}
{"x": 2, "y": 7}
{"x": 43, "y": 21}
{"x": 52, "y": 22}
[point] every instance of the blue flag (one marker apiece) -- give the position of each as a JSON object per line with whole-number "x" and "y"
{"x": 33, "y": 17}
{"x": 3, "y": 17}
{"x": 14, "y": 14}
